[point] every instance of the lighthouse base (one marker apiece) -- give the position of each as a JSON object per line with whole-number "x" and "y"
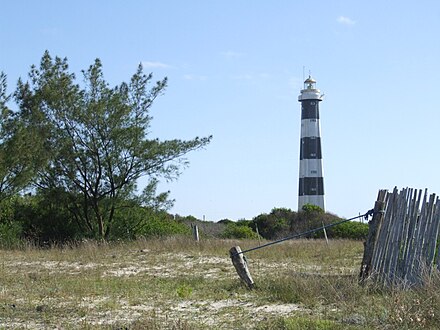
{"x": 317, "y": 200}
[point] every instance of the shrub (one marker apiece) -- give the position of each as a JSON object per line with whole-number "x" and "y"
{"x": 40, "y": 219}
{"x": 10, "y": 234}
{"x": 239, "y": 232}
{"x": 308, "y": 208}
{"x": 282, "y": 222}
{"x": 46, "y": 218}
{"x": 349, "y": 230}
{"x": 10, "y": 230}
{"x": 225, "y": 221}
{"x": 311, "y": 219}
{"x": 161, "y": 226}
{"x": 273, "y": 225}
{"x": 244, "y": 222}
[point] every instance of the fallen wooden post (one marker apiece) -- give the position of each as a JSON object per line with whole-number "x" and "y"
{"x": 240, "y": 265}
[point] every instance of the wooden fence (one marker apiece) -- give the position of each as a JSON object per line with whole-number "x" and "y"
{"x": 401, "y": 248}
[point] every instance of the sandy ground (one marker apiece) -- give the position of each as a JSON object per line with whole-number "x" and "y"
{"x": 213, "y": 314}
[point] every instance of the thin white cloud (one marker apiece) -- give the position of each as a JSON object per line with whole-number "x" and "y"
{"x": 345, "y": 20}
{"x": 230, "y": 54}
{"x": 157, "y": 65}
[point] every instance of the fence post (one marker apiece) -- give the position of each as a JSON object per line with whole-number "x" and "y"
{"x": 374, "y": 228}
{"x": 240, "y": 265}
{"x": 196, "y": 232}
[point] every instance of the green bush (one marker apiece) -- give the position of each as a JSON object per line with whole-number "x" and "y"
{"x": 347, "y": 230}
{"x": 11, "y": 231}
{"x": 46, "y": 218}
{"x": 239, "y": 232}
{"x": 225, "y": 221}
{"x": 310, "y": 219}
{"x": 282, "y": 222}
{"x": 309, "y": 208}
{"x": 10, "y": 234}
{"x": 161, "y": 226}
{"x": 244, "y": 223}
{"x": 273, "y": 225}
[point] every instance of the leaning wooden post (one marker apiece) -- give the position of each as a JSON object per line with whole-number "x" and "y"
{"x": 373, "y": 231}
{"x": 240, "y": 265}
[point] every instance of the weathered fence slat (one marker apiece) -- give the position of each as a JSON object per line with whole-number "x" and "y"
{"x": 411, "y": 208}
{"x": 416, "y": 256}
{"x": 395, "y": 238}
{"x": 411, "y": 237}
{"x": 402, "y": 241}
{"x": 432, "y": 233}
{"x": 383, "y": 241}
{"x": 369, "y": 246}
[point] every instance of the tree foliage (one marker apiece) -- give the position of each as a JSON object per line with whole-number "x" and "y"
{"x": 18, "y": 157}
{"x": 95, "y": 140}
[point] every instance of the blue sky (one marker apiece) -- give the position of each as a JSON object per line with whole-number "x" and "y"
{"x": 235, "y": 70}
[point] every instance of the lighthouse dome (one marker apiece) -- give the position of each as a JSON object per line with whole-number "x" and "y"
{"x": 310, "y": 80}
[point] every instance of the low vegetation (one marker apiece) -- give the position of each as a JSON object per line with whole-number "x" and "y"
{"x": 176, "y": 283}
{"x": 41, "y": 221}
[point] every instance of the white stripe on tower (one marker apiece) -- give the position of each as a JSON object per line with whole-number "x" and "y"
{"x": 311, "y": 178}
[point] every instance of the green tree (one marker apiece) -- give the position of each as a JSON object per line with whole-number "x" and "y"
{"x": 97, "y": 138}
{"x": 18, "y": 157}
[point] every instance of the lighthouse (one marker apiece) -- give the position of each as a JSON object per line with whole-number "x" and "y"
{"x": 311, "y": 179}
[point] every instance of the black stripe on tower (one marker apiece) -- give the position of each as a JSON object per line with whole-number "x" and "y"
{"x": 310, "y": 109}
{"x": 310, "y": 148}
{"x": 311, "y": 186}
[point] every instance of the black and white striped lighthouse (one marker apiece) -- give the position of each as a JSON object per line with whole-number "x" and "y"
{"x": 311, "y": 179}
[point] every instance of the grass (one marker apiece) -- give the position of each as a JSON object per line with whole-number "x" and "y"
{"x": 180, "y": 284}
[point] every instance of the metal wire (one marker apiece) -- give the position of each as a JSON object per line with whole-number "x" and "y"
{"x": 366, "y": 215}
